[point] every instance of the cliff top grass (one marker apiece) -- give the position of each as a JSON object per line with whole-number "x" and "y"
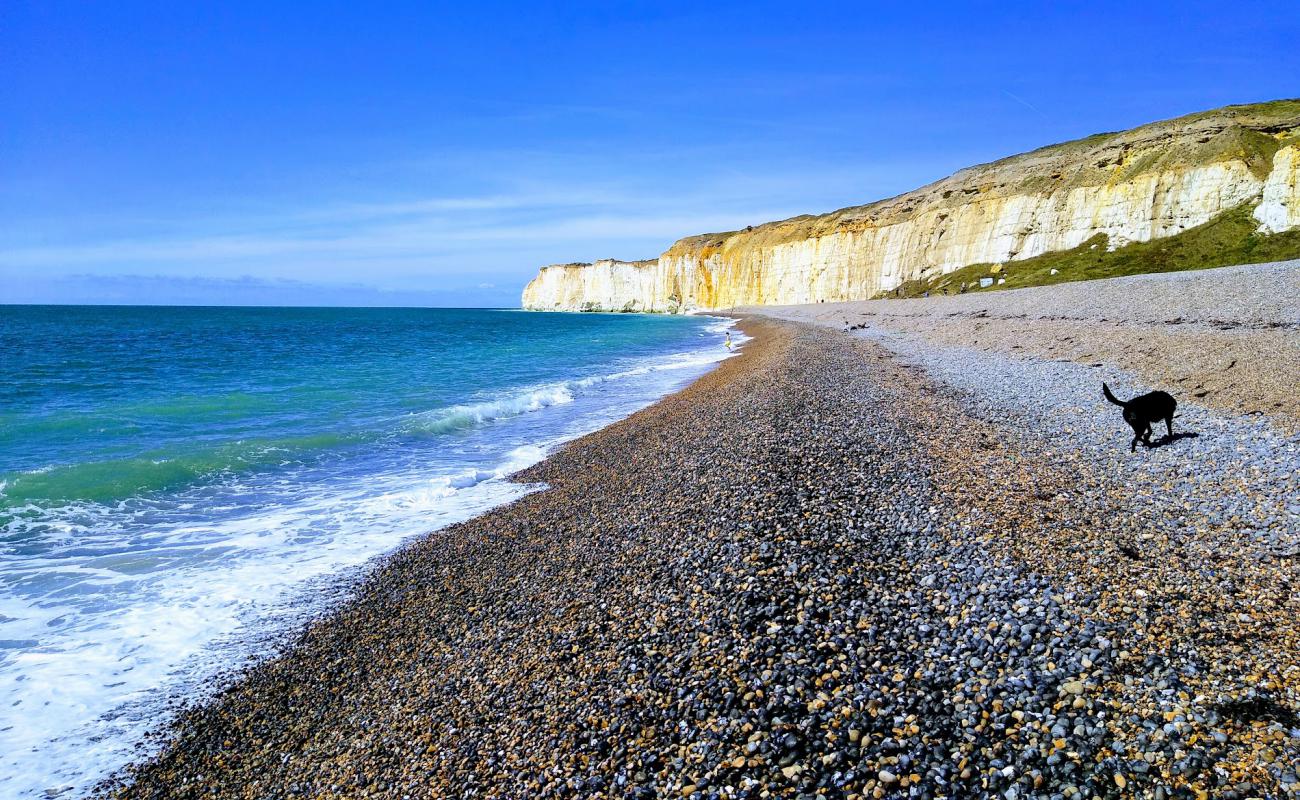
{"x": 1229, "y": 239}
{"x": 1249, "y": 133}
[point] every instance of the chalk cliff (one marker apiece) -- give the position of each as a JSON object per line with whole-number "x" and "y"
{"x": 1145, "y": 183}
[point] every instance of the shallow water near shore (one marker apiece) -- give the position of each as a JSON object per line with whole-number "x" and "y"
{"x": 174, "y": 480}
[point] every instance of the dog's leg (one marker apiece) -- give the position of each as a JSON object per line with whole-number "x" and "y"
{"x": 1133, "y": 446}
{"x": 1169, "y": 423}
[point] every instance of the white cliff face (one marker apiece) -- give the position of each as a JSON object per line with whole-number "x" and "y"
{"x": 1280, "y": 209}
{"x": 606, "y": 285}
{"x": 1143, "y": 184}
{"x": 854, "y": 264}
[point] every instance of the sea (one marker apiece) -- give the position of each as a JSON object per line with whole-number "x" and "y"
{"x": 180, "y": 485}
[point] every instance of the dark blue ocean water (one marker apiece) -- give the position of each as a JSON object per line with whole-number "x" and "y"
{"x": 173, "y": 479}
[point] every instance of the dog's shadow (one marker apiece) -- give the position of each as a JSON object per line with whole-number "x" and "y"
{"x": 1167, "y": 439}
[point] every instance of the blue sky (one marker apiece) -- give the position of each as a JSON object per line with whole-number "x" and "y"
{"x": 437, "y": 154}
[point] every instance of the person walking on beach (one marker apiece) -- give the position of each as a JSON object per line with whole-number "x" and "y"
{"x": 728, "y": 342}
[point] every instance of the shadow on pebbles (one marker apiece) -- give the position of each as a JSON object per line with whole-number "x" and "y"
{"x": 819, "y": 572}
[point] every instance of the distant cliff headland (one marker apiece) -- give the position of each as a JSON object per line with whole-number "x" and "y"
{"x": 1218, "y": 187}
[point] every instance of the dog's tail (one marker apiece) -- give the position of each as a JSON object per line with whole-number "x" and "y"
{"x": 1106, "y": 391}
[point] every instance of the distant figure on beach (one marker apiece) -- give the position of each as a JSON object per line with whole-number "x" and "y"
{"x": 728, "y": 342}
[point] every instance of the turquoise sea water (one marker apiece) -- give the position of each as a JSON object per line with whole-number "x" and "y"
{"x": 175, "y": 481}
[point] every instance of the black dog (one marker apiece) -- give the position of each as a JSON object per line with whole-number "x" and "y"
{"x": 1144, "y": 410}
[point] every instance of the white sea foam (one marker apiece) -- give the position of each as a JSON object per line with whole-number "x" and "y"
{"x": 106, "y": 628}
{"x": 543, "y": 397}
{"x": 467, "y": 415}
{"x": 74, "y": 702}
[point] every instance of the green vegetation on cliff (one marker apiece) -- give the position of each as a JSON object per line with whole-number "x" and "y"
{"x": 1251, "y": 133}
{"x": 1229, "y": 239}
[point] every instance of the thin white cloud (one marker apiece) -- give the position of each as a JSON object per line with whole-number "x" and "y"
{"x": 498, "y": 236}
{"x": 453, "y": 205}
{"x": 429, "y": 236}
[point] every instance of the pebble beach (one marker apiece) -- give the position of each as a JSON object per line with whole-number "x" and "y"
{"x": 856, "y": 563}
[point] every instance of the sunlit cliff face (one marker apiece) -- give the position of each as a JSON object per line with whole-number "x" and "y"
{"x": 1150, "y": 182}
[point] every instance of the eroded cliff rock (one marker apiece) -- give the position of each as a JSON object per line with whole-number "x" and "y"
{"x": 1150, "y": 182}
{"x": 1280, "y": 208}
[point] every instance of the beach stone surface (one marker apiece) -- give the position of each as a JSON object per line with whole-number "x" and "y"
{"x": 838, "y": 566}
{"x": 1226, "y": 338}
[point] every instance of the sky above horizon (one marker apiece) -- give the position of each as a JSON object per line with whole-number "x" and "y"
{"x": 438, "y": 154}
